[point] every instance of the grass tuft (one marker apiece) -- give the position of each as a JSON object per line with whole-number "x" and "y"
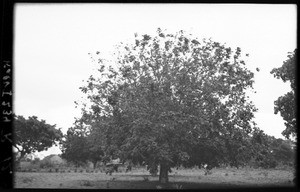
{"x": 27, "y": 180}
{"x": 86, "y": 183}
{"x": 177, "y": 186}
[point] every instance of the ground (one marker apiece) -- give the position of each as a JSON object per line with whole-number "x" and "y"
{"x": 141, "y": 179}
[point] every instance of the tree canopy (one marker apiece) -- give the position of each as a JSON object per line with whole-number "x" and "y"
{"x": 171, "y": 99}
{"x": 79, "y": 146}
{"x": 286, "y": 104}
{"x": 33, "y": 135}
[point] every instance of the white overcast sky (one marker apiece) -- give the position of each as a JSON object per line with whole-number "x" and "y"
{"x": 52, "y": 42}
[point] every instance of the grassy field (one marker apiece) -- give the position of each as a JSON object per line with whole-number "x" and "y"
{"x": 141, "y": 179}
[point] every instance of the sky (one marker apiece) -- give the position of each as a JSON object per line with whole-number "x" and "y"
{"x": 52, "y": 42}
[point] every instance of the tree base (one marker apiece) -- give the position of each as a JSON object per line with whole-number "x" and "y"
{"x": 163, "y": 174}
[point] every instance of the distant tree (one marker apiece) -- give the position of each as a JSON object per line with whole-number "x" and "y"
{"x": 262, "y": 151}
{"x": 169, "y": 94}
{"x": 80, "y": 146}
{"x": 51, "y": 161}
{"x": 283, "y": 151}
{"x": 269, "y": 152}
{"x": 239, "y": 149}
{"x": 36, "y": 160}
{"x": 74, "y": 146}
{"x": 95, "y": 147}
{"x": 286, "y": 104}
{"x": 33, "y": 135}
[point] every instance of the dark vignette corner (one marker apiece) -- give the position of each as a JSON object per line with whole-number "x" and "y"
{"x": 6, "y": 161}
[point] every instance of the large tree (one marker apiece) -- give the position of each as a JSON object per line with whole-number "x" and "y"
{"x": 286, "y": 104}
{"x": 31, "y": 135}
{"x": 171, "y": 100}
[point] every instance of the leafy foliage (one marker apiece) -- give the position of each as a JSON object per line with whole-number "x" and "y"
{"x": 47, "y": 163}
{"x": 283, "y": 152}
{"x": 80, "y": 147}
{"x": 170, "y": 100}
{"x": 268, "y": 152}
{"x": 74, "y": 147}
{"x": 286, "y": 104}
{"x": 33, "y": 135}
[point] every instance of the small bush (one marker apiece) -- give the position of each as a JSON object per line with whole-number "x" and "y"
{"x": 177, "y": 186}
{"x": 207, "y": 172}
{"x": 268, "y": 163}
{"x": 159, "y": 186}
{"x": 153, "y": 170}
{"x": 46, "y": 164}
{"x": 145, "y": 179}
{"x": 36, "y": 161}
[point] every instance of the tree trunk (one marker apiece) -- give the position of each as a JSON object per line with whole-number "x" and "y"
{"x": 17, "y": 161}
{"x": 22, "y": 155}
{"x": 163, "y": 173}
{"x": 94, "y": 164}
